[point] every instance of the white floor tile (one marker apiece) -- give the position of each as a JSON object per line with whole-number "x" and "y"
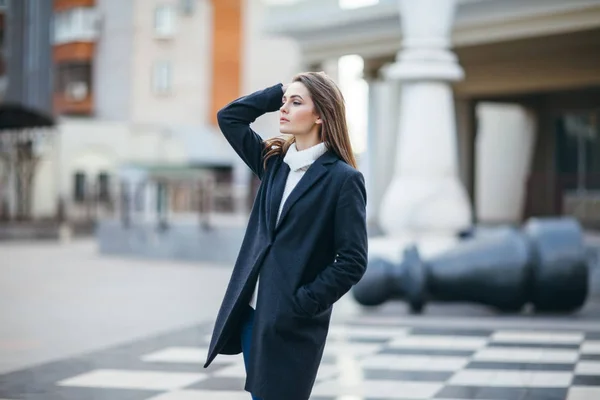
{"x": 236, "y": 370}
{"x": 414, "y": 363}
{"x": 526, "y": 355}
{"x": 588, "y": 368}
{"x": 551, "y": 379}
{"x": 203, "y": 395}
{"x": 380, "y": 389}
{"x": 507, "y": 378}
{"x": 195, "y": 355}
{"x": 439, "y": 342}
{"x": 590, "y": 347}
{"x": 538, "y": 337}
{"x": 351, "y": 349}
{"x": 347, "y": 331}
{"x": 126, "y": 379}
{"x": 327, "y": 371}
{"x": 583, "y": 393}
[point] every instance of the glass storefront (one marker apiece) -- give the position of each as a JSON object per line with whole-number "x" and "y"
{"x": 578, "y": 164}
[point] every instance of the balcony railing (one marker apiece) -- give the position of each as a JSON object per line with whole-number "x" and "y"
{"x": 65, "y": 105}
{"x": 79, "y": 24}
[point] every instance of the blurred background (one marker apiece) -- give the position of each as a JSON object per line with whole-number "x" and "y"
{"x": 126, "y": 93}
{"x": 119, "y": 194}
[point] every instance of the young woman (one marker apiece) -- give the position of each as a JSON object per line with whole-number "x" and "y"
{"x": 306, "y": 241}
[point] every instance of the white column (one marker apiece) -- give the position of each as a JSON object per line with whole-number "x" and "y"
{"x": 381, "y": 140}
{"x": 426, "y": 193}
{"x": 504, "y": 147}
{"x": 426, "y": 202}
{"x": 331, "y": 68}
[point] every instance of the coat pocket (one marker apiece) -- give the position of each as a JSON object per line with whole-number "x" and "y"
{"x": 304, "y": 304}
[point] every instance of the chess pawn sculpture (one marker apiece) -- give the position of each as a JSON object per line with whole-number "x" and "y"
{"x": 544, "y": 263}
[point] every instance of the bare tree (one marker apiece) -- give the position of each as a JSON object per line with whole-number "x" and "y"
{"x": 25, "y": 166}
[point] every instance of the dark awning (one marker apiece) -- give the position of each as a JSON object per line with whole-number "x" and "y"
{"x": 17, "y": 117}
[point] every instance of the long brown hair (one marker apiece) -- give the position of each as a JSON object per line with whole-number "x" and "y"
{"x": 330, "y": 107}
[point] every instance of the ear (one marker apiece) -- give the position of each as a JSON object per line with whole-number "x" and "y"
{"x": 319, "y": 121}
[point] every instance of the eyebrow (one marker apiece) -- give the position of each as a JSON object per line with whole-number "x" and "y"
{"x": 295, "y": 95}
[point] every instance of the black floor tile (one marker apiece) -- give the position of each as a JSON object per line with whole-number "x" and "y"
{"x": 417, "y": 376}
{"x": 457, "y": 392}
{"x": 451, "y": 331}
{"x": 586, "y": 380}
{"x": 427, "y": 352}
{"x": 219, "y": 383}
{"x": 520, "y": 366}
{"x": 545, "y": 394}
{"x": 560, "y": 346}
{"x": 501, "y": 393}
{"x": 589, "y": 357}
{"x": 354, "y": 339}
{"x": 592, "y": 335}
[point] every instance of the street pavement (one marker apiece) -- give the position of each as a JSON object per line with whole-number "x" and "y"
{"x": 58, "y": 301}
{"x": 77, "y": 325}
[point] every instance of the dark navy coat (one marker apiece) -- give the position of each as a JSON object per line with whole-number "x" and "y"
{"x": 312, "y": 257}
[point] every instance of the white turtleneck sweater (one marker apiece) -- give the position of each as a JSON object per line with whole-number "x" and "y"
{"x": 299, "y": 162}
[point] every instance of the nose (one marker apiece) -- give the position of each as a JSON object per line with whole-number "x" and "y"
{"x": 283, "y": 109}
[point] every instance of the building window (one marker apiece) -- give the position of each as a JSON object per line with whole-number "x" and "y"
{"x": 76, "y": 24}
{"x": 103, "y": 187}
{"x": 164, "y": 21}
{"x": 79, "y": 188}
{"x": 578, "y": 150}
{"x": 73, "y": 80}
{"x": 162, "y": 77}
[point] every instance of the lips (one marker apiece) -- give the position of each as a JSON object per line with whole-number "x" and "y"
{"x": 282, "y": 120}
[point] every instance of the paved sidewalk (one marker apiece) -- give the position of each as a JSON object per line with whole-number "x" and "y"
{"x": 383, "y": 357}
{"x": 75, "y": 325}
{"x": 58, "y": 301}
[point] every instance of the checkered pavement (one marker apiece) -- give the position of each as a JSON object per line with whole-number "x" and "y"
{"x": 361, "y": 362}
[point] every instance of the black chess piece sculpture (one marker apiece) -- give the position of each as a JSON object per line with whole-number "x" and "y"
{"x": 544, "y": 263}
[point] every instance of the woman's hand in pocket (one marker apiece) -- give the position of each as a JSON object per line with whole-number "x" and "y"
{"x": 304, "y": 303}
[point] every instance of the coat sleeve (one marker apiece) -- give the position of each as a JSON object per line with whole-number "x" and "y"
{"x": 235, "y": 118}
{"x": 351, "y": 248}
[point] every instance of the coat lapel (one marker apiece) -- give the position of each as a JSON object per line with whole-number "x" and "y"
{"x": 314, "y": 173}
{"x": 278, "y": 186}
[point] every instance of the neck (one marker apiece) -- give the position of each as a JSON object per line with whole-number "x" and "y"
{"x": 304, "y": 142}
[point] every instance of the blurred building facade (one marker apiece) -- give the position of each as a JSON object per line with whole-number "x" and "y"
{"x": 26, "y": 56}
{"x": 26, "y": 98}
{"x": 135, "y": 88}
{"x": 526, "y": 110}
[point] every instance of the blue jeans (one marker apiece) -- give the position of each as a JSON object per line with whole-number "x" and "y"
{"x": 247, "y": 326}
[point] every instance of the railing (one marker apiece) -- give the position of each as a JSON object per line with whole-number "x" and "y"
{"x": 565, "y": 194}
{"x": 162, "y": 202}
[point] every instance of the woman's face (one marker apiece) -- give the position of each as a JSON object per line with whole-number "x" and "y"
{"x": 297, "y": 113}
